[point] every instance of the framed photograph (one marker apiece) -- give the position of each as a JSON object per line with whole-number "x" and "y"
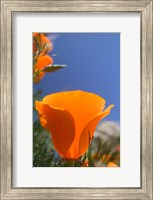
{"x": 76, "y": 99}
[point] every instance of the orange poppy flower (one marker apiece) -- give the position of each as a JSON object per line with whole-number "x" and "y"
{"x": 71, "y": 117}
{"x": 44, "y": 41}
{"x": 111, "y": 164}
{"x": 42, "y": 61}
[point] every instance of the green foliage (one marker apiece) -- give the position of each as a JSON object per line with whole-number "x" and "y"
{"x": 42, "y": 149}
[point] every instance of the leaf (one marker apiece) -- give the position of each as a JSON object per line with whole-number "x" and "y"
{"x": 34, "y": 61}
{"x": 53, "y": 68}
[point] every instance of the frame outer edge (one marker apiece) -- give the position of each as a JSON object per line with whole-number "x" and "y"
{"x": 9, "y": 100}
{"x": 7, "y": 191}
{"x": 149, "y": 68}
{"x": 3, "y": 101}
{"x": 146, "y": 98}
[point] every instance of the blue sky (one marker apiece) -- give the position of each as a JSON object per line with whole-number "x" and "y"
{"x": 93, "y": 64}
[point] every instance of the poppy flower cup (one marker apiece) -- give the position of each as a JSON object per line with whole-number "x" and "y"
{"x": 71, "y": 118}
{"x": 42, "y": 62}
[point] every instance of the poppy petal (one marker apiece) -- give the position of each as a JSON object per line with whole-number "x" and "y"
{"x": 38, "y": 77}
{"x": 111, "y": 164}
{"x": 42, "y": 61}
{"x": 62, "y": 127}
{"x": 79, "y": 103}
{"x": 88, "y": 131}
{"x": 42, "y": 118}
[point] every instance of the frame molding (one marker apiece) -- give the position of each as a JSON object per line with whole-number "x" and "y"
{"x": 145, "y": 8}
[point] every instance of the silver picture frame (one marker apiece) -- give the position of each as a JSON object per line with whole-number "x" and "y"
{"x": 8, "y": 8}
